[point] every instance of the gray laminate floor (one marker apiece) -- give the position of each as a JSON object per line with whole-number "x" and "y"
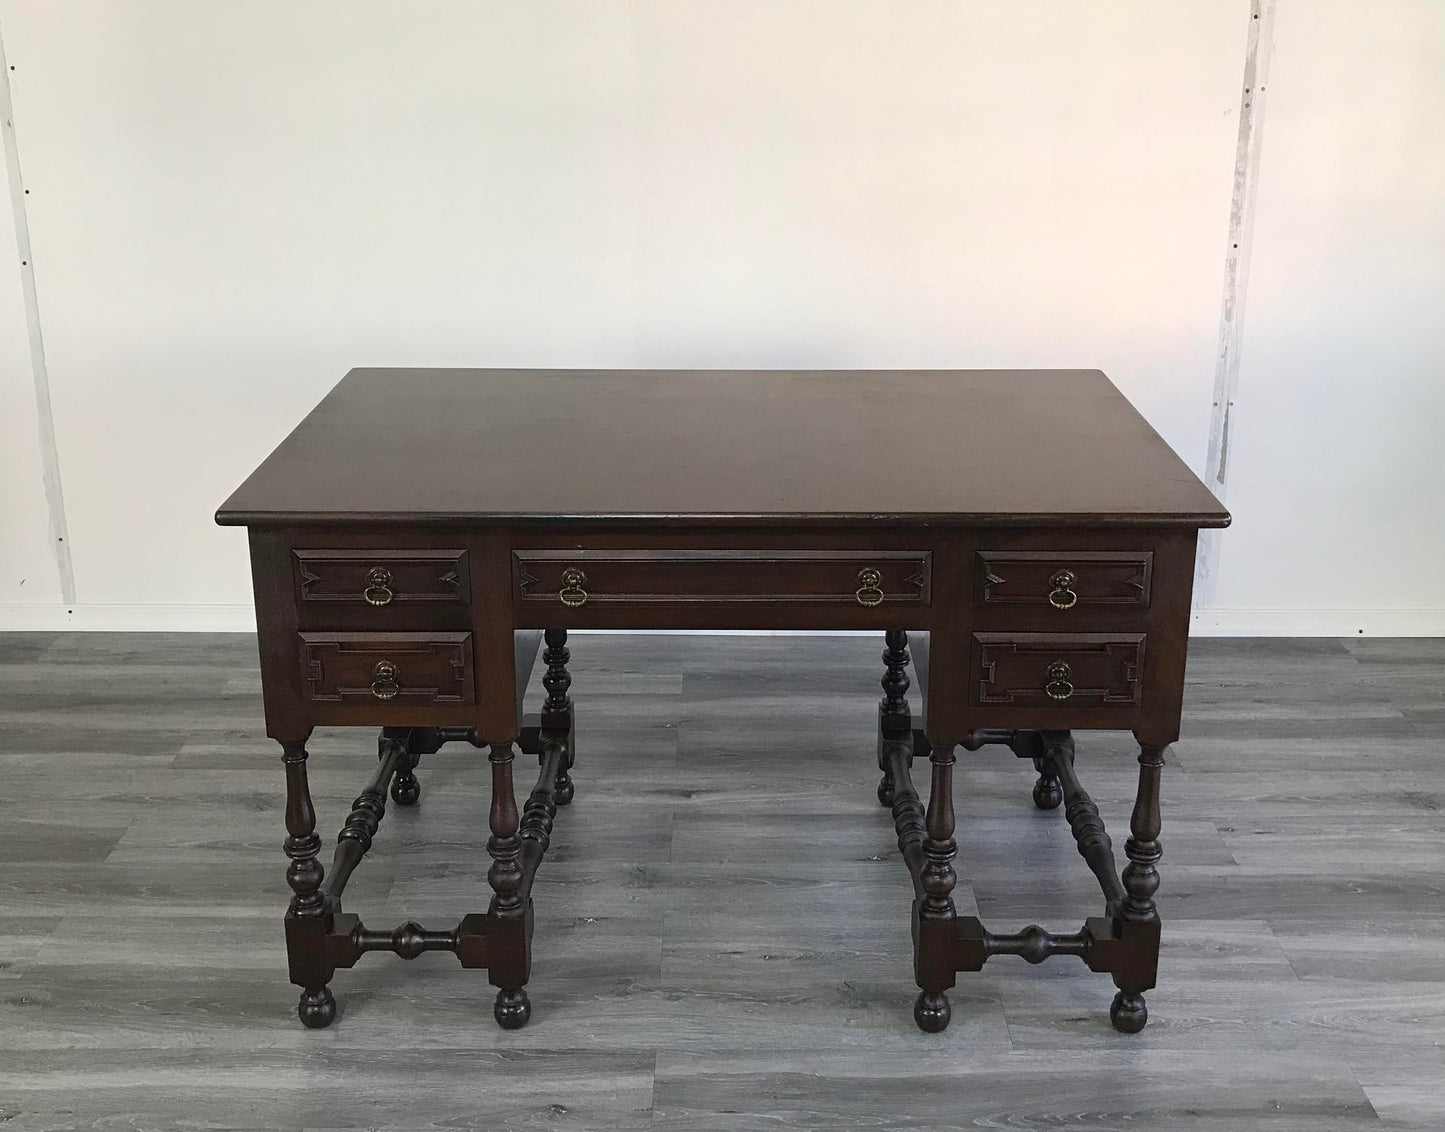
{"x": 722, "y": 921}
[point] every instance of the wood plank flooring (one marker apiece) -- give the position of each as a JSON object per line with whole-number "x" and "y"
{"x": 722, "y": 921}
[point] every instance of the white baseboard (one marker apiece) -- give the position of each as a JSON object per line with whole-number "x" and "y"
{"x": 105, "y": 618}
{"x": 1318, "y": 623}
{"x": 242, "y": 619}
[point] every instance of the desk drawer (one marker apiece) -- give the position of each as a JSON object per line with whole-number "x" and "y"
{"x": 379, "y": 578}
{"x": 591, "y": 578}
{"x": 402, "y": 669}
{"x": 1069, "y": 671}
{"x": 1058, "y": 581}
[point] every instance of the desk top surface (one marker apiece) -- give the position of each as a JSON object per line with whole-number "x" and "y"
{"x": 755, "y": 447}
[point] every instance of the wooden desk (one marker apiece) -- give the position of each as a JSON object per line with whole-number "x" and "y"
{"x": 415, "y": 533}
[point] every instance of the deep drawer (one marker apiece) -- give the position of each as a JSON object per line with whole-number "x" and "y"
{"x": 638, "y": 577}
{"x": 381, "y": 577}
{"x": 1072, "y": 670}
{"x": 413, "y": 669}
{"x": 1064, "y": 580}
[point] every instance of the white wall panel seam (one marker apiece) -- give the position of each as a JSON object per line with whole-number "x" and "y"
{"x": 1242, "y": 207}
{"x": 44, "y": 415}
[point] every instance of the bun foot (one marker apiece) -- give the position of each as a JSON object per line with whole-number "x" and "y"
{"x": 885, "y": 792}
{"x": 405, "y": 789}
{"x": 1048, "y": 793}
{"x": 1128, "y": 1013}
{"x": 317, "y": 1008}
{"x": 565, "y": 789}
{"x": 512, "y": 1009}
{"x": 932, "y": 1012}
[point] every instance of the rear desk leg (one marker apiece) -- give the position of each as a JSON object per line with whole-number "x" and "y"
{"x": 557, "y": 710}
{"x": 1047, "y": 791}
{"x": 893, "y": 712}
{"x": 405, "y": 788}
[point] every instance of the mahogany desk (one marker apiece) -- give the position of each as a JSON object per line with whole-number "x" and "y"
{"x": 412, "y": 536}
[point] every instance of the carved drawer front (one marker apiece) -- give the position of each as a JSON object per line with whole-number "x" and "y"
{"x": 1064, "y": 580}
{"x": 382, "y": 577}
{"x": 1059, "y": 669}
{"x": 638, "y": 577}
{"x": 375, "y": 668}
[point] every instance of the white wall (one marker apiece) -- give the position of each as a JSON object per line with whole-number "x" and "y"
{"x": 1338, "y": 477}
{"x": 232, "y": 205}
{"x": 29, "y": 575}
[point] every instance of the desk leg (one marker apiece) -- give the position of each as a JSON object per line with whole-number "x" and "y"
{"x": 1138, "y": 915}
{"x": 557, "y": 711}
{"x": 510, "y": 948}
{"x": 934, "y": 920}
{"x": 405, "y": 789}
{"x": 1048, "y": 793}
{"x": 894, "y": 718}
{"x": 308, "y": 919}
{"x": 1123, "y": 942}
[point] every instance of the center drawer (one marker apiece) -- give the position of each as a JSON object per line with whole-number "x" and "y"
{"x": 866, "y": 578}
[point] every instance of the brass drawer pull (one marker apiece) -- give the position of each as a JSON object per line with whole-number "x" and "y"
{"x": 1062, "y": 596}
{"x": 572, "y": 593}
{"x": 383, "y": 680}
{"x": 1059, "y": 686}
{"x": 870, "y": 590}
{"x": 378, "y": 586}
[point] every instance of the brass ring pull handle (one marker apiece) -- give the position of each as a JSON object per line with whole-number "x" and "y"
{"x": 572, "y": 592}
{"x": 1062, "y": 595}
{"x": 383, "y": 680}
{"x": 870, "y": 583}
{"x": 378, "y": 586}
{"x": 1059, "y": 686}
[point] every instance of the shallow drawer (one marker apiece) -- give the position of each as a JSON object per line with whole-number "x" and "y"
{"x": 397, "y": 668}
{"x": 1059, "y": 669}
{"x": 638, "y": 577}
{"x": 382, "y": 577}
{"x": 1064, "y": 580}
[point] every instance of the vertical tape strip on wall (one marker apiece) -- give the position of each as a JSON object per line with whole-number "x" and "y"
{"x": 1236, "y": 279}
{"x": 45, "y": 419}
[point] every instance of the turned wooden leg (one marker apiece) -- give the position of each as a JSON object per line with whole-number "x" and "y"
{"x": 1048, "y": 794}
{"x": 510, "y": 957}
{"x": 934, "y": 915}
{"x": 417, "y": 741}
{"x": 893, "y": 712}
{"x": 1141, "y": 882}
{"x": 405, "y": 788}
{"x": 307, "y": 919}
{"x": 557, "y": 709}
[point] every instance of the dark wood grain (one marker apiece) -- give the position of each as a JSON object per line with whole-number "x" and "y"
{"x": 1029, "y": 525}
{"x": 963, "y": 446}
